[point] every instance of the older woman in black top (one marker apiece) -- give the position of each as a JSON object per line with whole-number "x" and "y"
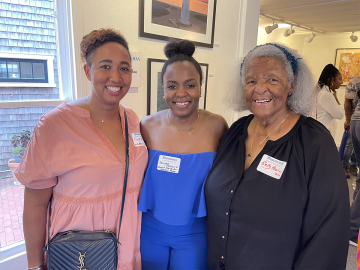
{"x": 277, "y": 196}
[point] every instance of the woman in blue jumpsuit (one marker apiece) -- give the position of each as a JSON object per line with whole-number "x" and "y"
{"x": 182, "y": 143}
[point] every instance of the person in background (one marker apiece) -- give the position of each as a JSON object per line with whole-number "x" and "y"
{"x": 349, "y": 158}
{"x": 327, "y": 108}
{"x": 352, "y": 95}
{"x": 182, "y": 143}
{"x": 77, "y": 155}
{"x": 276, "y": 196}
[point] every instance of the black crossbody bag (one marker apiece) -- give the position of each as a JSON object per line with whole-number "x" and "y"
{"x": 86, "y": 250}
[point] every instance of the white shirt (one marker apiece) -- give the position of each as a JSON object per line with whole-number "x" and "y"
{"x": 327, "y": 109}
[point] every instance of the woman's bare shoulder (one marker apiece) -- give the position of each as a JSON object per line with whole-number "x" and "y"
{"x": 151, "y": 124}
{"x": 153, "y": 120}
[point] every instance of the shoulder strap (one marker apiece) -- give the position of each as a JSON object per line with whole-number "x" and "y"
{"x": 126, "y": 172}
{"x": 124, "y": 187}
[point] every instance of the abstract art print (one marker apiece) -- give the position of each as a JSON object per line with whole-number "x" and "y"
{"x": 183, "y": 19}
{"x": 347, "y": 61}
{"x": 155, "y": 92}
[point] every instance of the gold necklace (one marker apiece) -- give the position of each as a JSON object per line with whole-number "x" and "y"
{"x": 104, "y": 121}
{"x": 252, "y": 141}
{"x": 190, "y": 129}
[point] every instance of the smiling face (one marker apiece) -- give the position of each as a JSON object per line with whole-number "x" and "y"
{"x": 110, "y": 72}
{"x": 182, "y": 88}
{"x": 336, "y": 82}
{"x": 266, "y": 88}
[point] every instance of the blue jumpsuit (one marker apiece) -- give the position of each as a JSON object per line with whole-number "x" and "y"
{"x": 173, "y": 234}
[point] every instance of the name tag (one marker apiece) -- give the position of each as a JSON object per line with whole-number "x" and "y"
{"x": 271, "y": 166}
{"x": 168, "y": 164}
{"x": 138, "y": 140}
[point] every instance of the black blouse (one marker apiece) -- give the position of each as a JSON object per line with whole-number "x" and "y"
{"x": 300, "y": 221}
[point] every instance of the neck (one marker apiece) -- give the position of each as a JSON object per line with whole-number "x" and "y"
{"x": 100, "y": 109}
{"x": 262, "y": 127}
{"x": 183, "y": 122}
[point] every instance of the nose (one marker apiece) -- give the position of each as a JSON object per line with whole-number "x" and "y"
{"x": 181, "y": 92}
{"x": 115, "y": 76}
{"x": 261, "y": 87}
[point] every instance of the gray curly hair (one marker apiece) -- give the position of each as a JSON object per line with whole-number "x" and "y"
{"x": 302, "y": 97}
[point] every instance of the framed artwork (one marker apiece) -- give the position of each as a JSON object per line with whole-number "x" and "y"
{"x": 182, "y": 19}
{"x": 155, "y": 91}
{"x": 347, "y": 61}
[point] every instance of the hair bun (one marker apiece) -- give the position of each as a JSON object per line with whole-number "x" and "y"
{"x": 175, "y": 47}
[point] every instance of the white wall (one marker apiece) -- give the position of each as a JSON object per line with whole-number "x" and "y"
{"x": 320, "y": 52}
{"x": 234, "y": 19}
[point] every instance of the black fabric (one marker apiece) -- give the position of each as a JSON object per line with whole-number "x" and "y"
{"x": 300, "y": 221}
{"x": 87, "y": 250}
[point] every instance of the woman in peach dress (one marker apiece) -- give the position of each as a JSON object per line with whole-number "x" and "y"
{"x": 77, "y": 154}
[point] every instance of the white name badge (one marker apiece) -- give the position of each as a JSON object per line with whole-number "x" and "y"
{"x": 168, "y": 164}
{"x": 138, "y": 140}
{"x": 271, "y": 166}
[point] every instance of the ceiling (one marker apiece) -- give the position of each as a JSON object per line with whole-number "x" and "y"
{"x": 325, "y": 16}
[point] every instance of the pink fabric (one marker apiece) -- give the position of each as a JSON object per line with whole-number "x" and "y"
{"x": 71, "y": 154}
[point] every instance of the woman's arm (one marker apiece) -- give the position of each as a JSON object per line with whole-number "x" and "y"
{"x": 34, "y": 218}
{"x": 348, "y": 112}
{"x": 324, "y": 237}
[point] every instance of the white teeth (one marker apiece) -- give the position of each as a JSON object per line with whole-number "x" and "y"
{"x": 182, "y": 103}
{"x": 113, "y": 88}
{"x": 263, "y": 101}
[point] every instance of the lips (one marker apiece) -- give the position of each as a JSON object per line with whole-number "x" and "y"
{"x": 262, "y": 101}
{"x": 182, "y": 104}
{"x": 113, "y": 88}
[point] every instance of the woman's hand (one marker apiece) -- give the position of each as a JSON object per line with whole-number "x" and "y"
{"x": 335, "y": 96}
{"x": 347, "y": 125}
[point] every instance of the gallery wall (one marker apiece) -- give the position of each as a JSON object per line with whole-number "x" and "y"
{"x": 320, "y": 52}
{"x": 235, "y": 33}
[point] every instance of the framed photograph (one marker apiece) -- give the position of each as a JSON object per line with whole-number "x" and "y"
{"x": 182, "y": 19}
{"x": 347, "y": 61}
{"x": 155, "y": 91}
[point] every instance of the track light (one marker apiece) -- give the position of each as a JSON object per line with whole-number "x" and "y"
{"x": 310, "y": 38}
{"x": 270, "y": 28}
{"x": 289, "y": 32}
{"x": 353, "y": 38}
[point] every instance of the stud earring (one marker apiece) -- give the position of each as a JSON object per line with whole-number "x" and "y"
{"x": 289, "y": 95}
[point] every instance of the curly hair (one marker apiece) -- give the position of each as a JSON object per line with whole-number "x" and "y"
{"x": 97, "y": 38}
{"x": 298, "y": 73}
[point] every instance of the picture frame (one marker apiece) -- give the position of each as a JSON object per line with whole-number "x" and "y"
{"x": 155, "y": 92}
{"x": 347, "y": 61}
{"x": 164, "y": 19}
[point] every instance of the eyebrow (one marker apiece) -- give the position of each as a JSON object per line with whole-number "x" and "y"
{"x": 110, "y": 61}
{"x": 188, "y": 80}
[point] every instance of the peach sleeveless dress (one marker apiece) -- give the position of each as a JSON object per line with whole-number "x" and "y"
{"x": 71, "y": 154}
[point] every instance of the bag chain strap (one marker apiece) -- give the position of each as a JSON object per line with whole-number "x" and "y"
{"x": 124, "y": 187}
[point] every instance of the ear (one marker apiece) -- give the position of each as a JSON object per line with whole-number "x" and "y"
{"x": 292, "y": 85}
{"x": 87, "y": 72}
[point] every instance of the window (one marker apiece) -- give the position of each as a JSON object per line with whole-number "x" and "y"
{"x": 37, "y": 71}
{"x": 23, "y": 70}
{"x": 26, "y": 70}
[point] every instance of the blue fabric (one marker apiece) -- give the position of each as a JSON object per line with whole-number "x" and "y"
{"x": 175, "y": 198}
{"x": 166, "y": 247}
{"x": 343, "y": 144}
